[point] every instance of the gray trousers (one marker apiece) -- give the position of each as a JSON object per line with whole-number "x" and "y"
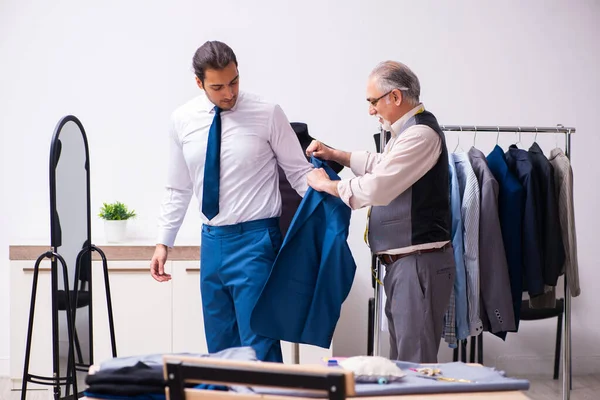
{"x": 418, "y": 289}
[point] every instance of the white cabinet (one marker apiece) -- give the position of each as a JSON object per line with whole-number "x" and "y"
{"x": 149, "y": 317}
{"x": 188, "y": 321}
{"x": 142, "y": 310}
{"x": 21, "y": 278}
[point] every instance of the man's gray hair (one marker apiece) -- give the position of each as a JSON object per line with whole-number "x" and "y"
{"x": 392, "y": 75}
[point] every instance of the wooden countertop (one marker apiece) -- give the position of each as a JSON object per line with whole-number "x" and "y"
{"x": 113, "y": 252}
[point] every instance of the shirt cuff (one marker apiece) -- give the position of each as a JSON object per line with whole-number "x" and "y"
{"x": 475, "y": 327}
{"x": 166, "y": 237}
{"x": 344, "y": 191}
{"x": 358, "y": 162}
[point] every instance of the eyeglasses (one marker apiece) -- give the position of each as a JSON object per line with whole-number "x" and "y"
{"x": 375, "y": 101}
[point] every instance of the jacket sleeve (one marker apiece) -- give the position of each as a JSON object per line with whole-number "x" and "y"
{"x": 554, "y": 250}
{"x": 493, "y": 267}
{"x": 532, "y": 252}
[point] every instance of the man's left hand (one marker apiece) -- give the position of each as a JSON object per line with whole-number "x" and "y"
{"x": 319, "y": 180}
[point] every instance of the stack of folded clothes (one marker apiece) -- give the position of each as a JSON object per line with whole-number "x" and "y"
{"x": 142, "y": 377}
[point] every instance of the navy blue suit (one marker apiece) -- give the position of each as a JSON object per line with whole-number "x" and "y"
{"x": 312, "y": 274}
{"x": 510, "y": 212}
{"x": 519, "y": 163}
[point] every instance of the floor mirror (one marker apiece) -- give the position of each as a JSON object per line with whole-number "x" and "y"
{"x": 72, "y": 256}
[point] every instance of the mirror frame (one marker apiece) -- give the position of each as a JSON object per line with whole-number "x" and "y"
{"x": 55, "y": 149}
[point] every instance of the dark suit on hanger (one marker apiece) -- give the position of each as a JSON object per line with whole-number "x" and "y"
{"x": 290, "y": 199}
{"x": 497, "y": 312}
{"x": 553, "y": 251}
{"x": 519, "y": 163}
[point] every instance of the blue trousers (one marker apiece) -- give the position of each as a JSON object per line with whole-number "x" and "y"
{"x": 235, "y": 263}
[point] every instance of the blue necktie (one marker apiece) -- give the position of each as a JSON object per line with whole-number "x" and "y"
{"x": 212, "y": 169}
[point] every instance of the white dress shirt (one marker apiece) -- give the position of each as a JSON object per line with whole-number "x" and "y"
{"x": 255, "y": 137}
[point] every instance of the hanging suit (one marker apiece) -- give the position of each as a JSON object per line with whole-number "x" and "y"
{"x": 497, "y": 312}
{"x": 312, "y": 274}
{"x": 563, "y": 179}
{"x": 510, "y": 211}
{"x": 553, "y": 251}
{"x": 519, "y": 163}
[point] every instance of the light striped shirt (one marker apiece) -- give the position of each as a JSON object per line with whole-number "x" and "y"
{"x": 470, "y": 198}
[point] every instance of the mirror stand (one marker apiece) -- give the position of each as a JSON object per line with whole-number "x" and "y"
{"x": 71, "y": 246}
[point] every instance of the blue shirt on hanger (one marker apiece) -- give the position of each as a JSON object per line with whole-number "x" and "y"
{"x": 460, "y": 314}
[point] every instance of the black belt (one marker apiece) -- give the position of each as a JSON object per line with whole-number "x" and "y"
{"x": 388, "y": 259}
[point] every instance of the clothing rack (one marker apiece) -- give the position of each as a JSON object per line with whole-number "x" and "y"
{"x": 558, "y": 129}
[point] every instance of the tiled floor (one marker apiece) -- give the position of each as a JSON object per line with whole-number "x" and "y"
{"x": 37, "y": 394}
{"x": 585, "y": 387}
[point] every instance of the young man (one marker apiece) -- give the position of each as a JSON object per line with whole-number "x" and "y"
{"x": 409, "y": 220}
{"x": 225, "y": 148}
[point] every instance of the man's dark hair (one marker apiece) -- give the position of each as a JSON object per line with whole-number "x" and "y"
{"x": 212, "y": 55}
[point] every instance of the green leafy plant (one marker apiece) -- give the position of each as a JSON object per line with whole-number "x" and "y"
{"x": 116, "y": 211}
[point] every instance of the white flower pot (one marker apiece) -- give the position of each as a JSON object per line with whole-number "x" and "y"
{"x": 115, "y": 231}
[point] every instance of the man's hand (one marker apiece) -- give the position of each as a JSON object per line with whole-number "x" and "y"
{"x": 319, "y": 180}
{"x": 323, "y": 152}
{"x": 319, "y": 150}
{"x": 157, "y": 265}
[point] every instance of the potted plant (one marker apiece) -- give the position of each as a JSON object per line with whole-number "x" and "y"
{"x": 115, "y": 216}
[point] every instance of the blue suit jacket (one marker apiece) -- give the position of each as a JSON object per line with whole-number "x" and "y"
{"x": 510, "y": 212}
{"x": 312, "y": 274}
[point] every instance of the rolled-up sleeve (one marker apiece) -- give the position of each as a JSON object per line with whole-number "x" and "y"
{"x": 386, "y": 176}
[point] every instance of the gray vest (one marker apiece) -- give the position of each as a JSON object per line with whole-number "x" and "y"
{"x": 421, "y": 214}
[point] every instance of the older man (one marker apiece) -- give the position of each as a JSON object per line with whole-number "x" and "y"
{"x": 409, "y": 220}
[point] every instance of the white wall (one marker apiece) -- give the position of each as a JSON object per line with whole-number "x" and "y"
{"x": 4, "y": 277}
{"x": 122, "y": 67}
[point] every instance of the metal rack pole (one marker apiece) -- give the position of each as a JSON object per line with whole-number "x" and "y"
{"x": 567, "y": 329}
{"x": 511, "y": 129}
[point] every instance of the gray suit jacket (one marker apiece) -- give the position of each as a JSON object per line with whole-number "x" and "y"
{"x": 563, "y": 179}
{"x": 497, "y": 308}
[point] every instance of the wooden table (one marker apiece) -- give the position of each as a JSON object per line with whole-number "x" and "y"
{"x": 509, "y": 395}
{"x": 277, "y": 368}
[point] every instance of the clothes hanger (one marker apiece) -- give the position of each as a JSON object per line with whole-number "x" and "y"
{"x": 518, "y": 137}
{"x": 474, "y": 136}
{"x": 498, "y": 135}
{"x": 458, "y": 142}
{"x": 557, "y": 134}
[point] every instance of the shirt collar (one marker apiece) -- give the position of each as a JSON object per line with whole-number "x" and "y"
{"x": 556, "y": 152}
{"x": 399, "y": 126}
{"x": 535, "y": 148}
{"x": 209, "y": 107}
